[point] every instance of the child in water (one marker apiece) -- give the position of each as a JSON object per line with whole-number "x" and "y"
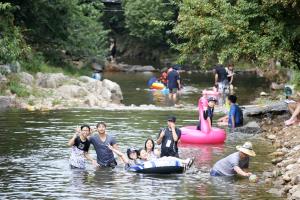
{"x": 208, "y": 112}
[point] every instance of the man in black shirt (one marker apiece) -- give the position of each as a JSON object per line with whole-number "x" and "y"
{"x": 168, "y": 138}
{"x": 221, "y": 81}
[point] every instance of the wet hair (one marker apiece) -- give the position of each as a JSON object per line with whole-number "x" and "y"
{"x": 139, "y": 152}
{"x": 153, "y": 144}
{"x": 232, "y": 98}
{"x": 101, "y": 123}
{"x": 85, "y": 126}
{"x": 131, "y": 150}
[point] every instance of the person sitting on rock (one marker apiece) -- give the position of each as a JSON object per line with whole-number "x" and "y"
{"x": 295, "y": 111}
{"x": 235, "y": 115}
{"x": 294, "y": 108}
{"x": 235, "y": 163}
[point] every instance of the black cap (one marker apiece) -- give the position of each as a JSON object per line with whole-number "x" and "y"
{"x": 212, "y": 99}
{"x": 172, "y": 119}
{"x": 131, "y": 150}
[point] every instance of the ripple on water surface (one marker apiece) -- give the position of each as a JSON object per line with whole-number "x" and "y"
{"x": 34, "y": 159}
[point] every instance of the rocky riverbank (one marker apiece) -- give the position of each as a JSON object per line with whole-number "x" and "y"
{"x": 48, "y": 91}
{"x": 284, "y": 176}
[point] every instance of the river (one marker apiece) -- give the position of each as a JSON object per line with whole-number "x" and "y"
{"x": 34, "y": 152}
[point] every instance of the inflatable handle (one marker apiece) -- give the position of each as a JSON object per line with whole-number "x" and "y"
{"x": 205, "y": 126}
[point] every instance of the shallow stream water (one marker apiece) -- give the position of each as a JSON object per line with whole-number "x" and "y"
{"x": 34, "y": 153}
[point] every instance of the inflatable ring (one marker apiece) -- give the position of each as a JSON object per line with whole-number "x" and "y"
{"x": 157, "y": 167}
{"x": 158, "y": 86}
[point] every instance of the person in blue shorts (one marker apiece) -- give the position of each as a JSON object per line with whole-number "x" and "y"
{"x": 173, "y": 83}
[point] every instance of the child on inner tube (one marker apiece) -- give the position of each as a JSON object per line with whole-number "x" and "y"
{"x": 141, "y": 156}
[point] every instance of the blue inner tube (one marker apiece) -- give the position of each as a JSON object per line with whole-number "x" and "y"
{"x": 169, "y": 169}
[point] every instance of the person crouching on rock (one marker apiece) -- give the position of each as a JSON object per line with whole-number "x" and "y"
{"x": 235, "y": 163}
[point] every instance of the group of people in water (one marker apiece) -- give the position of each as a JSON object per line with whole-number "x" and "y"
{"x": 106, "y": 147}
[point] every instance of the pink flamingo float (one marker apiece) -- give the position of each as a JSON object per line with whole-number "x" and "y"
{"x": 207, "y": 134}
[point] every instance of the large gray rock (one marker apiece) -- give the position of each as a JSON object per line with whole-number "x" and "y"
{"x": 15, "y": 67}
{"x": 10, "y": 68}
{"x": 138, "y": 68}
{"x": 50, "y": 80}
{"x": 71, "y": 91}
{"x": 86, "y": 79}
{"x": 114, "y": 88}
{"x": 26, "y": 78}
{"x": 3, "y": 79}
{"x": 128, "y": 68}
{"x": 253, "y": 110}
{"x": 250, "y": 128}
{"x": 296, "y": 195}
{"x": 91, "y": 100}
{"x": 6, "y": 102}
{"x": 5, "y": 69}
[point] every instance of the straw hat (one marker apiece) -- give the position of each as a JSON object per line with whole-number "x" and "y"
{"x": 246, "y": 148}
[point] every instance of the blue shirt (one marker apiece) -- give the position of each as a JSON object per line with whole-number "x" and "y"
{"x": 172, "y": 78}
{"x": 104, "y": 154}
{"x": 234, "y": 111}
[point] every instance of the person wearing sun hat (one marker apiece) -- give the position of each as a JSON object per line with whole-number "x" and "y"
{"x": 235, "y": 163}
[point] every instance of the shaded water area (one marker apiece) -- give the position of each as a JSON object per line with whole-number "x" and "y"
{"x": 34, "y": 159}
{"x": 135, "y": 89}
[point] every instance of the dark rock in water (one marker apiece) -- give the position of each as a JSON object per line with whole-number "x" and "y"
{"x": 274, "y": 107}
{"x": 249, "y": 128}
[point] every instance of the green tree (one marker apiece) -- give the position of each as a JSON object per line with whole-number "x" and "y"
{"x": 148, "y": 20}
{"x": 12, "y": 44}
{"x": 62, "y": 29}
{"x": 232, "y": 30}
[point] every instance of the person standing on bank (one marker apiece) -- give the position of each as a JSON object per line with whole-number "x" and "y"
{"x": 173, "y": 83}
{"x": 113, "y": 49}
{"x": 168, "y": 138}
{"x": 235, "y": 163}
{"x": 101, "y": 142}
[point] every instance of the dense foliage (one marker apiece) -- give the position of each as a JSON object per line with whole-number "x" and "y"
{"x": 149, "y": 20}
{"x": 12, "y": 45}
{"x": 59, "y": 30}
{"x": 252, "y": 30}
{"x": 202, "y": 31}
